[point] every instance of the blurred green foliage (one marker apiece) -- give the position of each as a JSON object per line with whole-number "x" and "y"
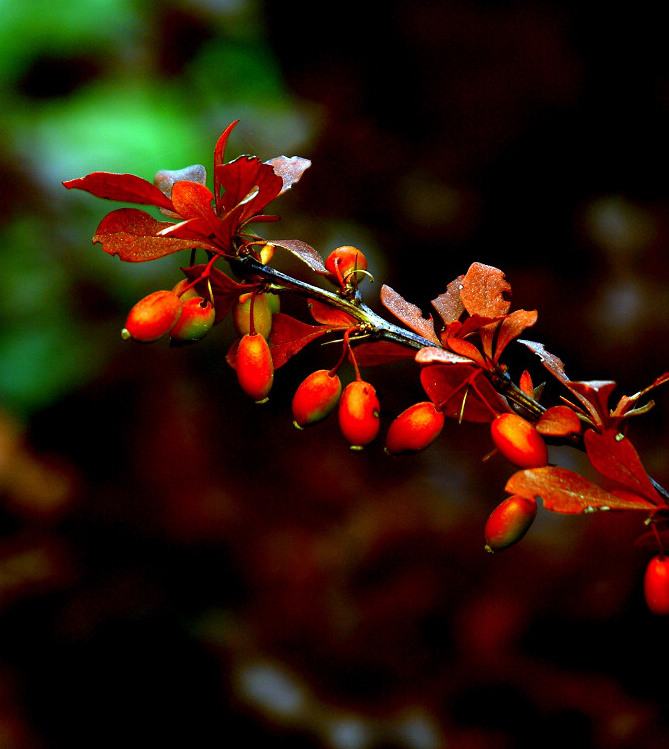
{"x": 109, "y": 85}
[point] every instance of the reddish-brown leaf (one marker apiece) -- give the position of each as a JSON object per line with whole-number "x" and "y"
{"x": 466, "y": 349}
{"x": 131, "y": 234}
{"x": 249, "y": 183}
{"x": 460, "y": 394}
{"x": 558, "y": 421}
{"x": 123, "y": 187}
{"x": 626, "y": 404}
{"x": 594, "y": 395}
{"x": 448, "y": 305}
{"x": 408, "y": 313}
{"x": 193, "y": 200}
{"x": 327, "y": 315}
{"x": 525, "y": 383}
{"x": 290, "y": 169}
{"x": 304, "y": 252}
{"x": 565, "y": 491}
{"x": 614, "y": 456}
{"x": 370, "y": 354}
{"x": 552, "y": 363}
{"x": 289, "y": 336}
{"x": 435, "y": 355}
{"x": 483, "y": 291}
{"x": 511, "y": 327}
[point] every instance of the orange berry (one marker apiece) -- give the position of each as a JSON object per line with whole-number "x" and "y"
{"x": 509, "y": 522}
{"x": 316, "y": 398}
{"x": 359, "y": 414}
{"x": 178, "y": 289}
{"x": 519, "y": 441}
{"x": 656, "y": 585}
{"x": 255, "y": 369}
{"x": 197, "y": 319}
{"x": 344, "y": 261}
{"x": 414, "y": 429}
{"x": 152, "y": 317}
{"x": 262, "y": 314}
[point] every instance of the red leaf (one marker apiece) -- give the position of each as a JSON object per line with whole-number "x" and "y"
{"x": 623, "y": 408}
{"x": 408, "y": 313}
{"x": 289, "y": 169}
{"x": 131, "y": 234}
{"x": 124, "y": 187}
{"x": 290, "y": 335}
{"x": 248, "y": 183}
{"x": 449, "y": 305}
{"x": 193, "y": 200}
{"x": 594, "y": 395}
{"x": 568, "y": 492}
{"x": 434, "y": 355}
{"x": 483, "y": 290}
{"x": 448, "y": 386}
{"x": 326, "y": 315}
{"x": 467, "y": 349}
{"x": 511, "y": 327}
{"x": 303, "y": 252}
{"x": 381, "y": 352}
{"x": 525, "y": 383}
{"x": 558, "y": 421}
{"x": 614, "y": 456}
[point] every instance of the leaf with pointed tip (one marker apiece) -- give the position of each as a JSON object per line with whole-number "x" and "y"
{"x": 408, "y": 313}
{"x": 614, "y": 456}
{"x": 290, "y": 169}
{"x": 249, "y": 183}
{"x": 567, "y": 492}
{"x": 289, "y": 336}
{"x": 483, "y": 290}
{"x": 326, "y": 315}
{"x": 466, "y": 349}
{"x": 449, "y": 305}
{"x": 558, "y": 421}
{"x": 525, "y": 384}
{"x": 624, "y": 406}
{"x": 126, "y": 188}
{"x": 304, "y": 252}
{"x": 370, "y": 354}
{"x": 459, "y": 394}
{"x": 552, "y": 363}
{"x": 132, "y": 235}
{"x": 511, "y": 327}
{"x": 594, "y": 395}
{"x": 436, "y": 355}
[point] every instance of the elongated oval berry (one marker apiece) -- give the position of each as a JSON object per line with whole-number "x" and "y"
{"x": 197, "y": 319}
{"x": 316, "y": 398}
{"x": 656, "y": 585}
{"x": 152, "y": 317}
{"x": 414, "y": 429}
{"x": 189, "y": 293}
{"x": 519, "y": 441}
{"x": 262, "y": 314}
{"x": 255, "y": 370}
{"x": 509, "y": 522}
{"x": 344, "y": 261}
{"x": 359, "y": 414}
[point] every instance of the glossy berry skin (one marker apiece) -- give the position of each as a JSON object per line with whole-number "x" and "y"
{"x": 359, "y": 414}
{"x": 152, "y": 317}
{"x": 344, "y": 261}
{"x": 262, "y": 314}
{"x": 414, "y": 429}
{"x": 197, "y": 319}
{"x": 316, "y": 398}
{"x": 509, "y": 522}
{"x": 255, "y": 370}
{"x": 519, "y": 441}
{"x": 656, "y": 585}
{"x": 189, "y": 293}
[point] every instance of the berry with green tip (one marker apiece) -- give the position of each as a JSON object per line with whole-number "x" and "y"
{"x": 254, "y": 366}
{"x": 359, "y": 414}
{"x": 152, "y": 317}
{"x": 197, "y": 319}
{"x": 315, "y": 398}
{"x": 509, "y": 522}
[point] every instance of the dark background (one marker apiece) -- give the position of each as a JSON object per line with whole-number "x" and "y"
{"x": 178, "y": 564}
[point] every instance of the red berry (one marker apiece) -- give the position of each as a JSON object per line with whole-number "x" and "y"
{"x": 519, "y": 441}
{"x": 509, "y": 522}
{"x": 344, "y": 261}
{"x": 316, "y": 398}
{"x": 152, "y": 317}
{"x": 262, "y": 314}
{"x": 414, "y": 429}
{"x": 656, "y": 585}
{"x": 197, "y": 319}
{"x": 255, "y": 370}
{"x": 359, "y": 414}
{"x": 189, "y": 293}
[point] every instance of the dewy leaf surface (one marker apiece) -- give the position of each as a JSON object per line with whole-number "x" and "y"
{"x": 565, "y": 491}
{"x": 126, "y": 188}
{"x": 408, "y": 313}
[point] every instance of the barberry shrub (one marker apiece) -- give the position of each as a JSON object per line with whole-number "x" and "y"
{"x": 459, "y": 351}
